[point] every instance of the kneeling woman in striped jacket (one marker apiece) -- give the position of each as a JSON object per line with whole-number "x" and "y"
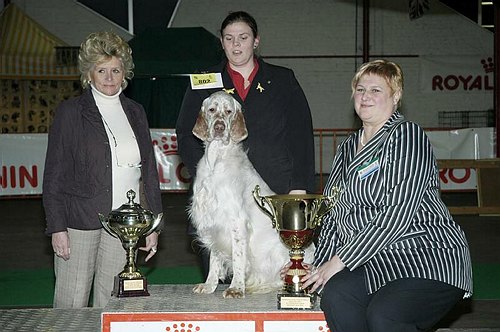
{"x": 389, "y": 256}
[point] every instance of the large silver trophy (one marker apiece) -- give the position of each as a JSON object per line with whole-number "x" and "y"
{"x": 130, "y": 223}
{"x": 295, "y": 217}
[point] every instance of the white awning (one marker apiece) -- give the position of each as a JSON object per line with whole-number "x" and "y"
{"x": 27, "y": 50}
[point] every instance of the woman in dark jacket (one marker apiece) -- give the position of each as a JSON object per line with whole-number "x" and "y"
{"x": 99, "y": 148}
{"x": 280, "y": 141}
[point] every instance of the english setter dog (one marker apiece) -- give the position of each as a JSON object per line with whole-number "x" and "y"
{"x": 239, "y": 236}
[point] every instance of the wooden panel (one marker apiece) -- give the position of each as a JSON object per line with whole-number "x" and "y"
{"x": 461, "y": 210}
{"x": 469, "y": 163}
{"x": 488, "y": 184}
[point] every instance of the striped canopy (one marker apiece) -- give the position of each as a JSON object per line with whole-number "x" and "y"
{"x": 27, "y": 50}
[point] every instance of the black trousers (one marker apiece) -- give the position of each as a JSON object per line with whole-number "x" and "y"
{"x": 402, "y": 305}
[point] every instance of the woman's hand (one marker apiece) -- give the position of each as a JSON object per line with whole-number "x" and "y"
{"x": 151, "y": 245}
{"x": 60, "y": 244}
{"x": 318, "y": 277}
{"x": 309, "y": 269}
{"x": 284, "y": 270}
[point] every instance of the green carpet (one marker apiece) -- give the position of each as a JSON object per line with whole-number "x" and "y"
{"x": 35, "y": 288}
{"x": 486, "y": 278}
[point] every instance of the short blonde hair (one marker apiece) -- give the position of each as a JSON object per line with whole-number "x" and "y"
{"x": 388, "y": 70}
{"x": 99, "y": 47}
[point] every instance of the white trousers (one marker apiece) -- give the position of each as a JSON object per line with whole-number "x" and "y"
{"x": 95, "y": 259}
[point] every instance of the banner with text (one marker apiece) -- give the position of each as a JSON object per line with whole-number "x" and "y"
{"x": 22, "y": 159}
{"x": 469, "y": 143}
{"x": 473, "y": 74}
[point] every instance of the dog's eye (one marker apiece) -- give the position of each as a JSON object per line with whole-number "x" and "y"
{"x": 229, "y": 111}
{"x": 211, "y": 109}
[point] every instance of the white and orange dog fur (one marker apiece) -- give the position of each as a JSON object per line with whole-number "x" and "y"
{"x": 239, "y": 236}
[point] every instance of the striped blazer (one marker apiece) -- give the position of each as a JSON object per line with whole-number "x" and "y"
{"x": 390, "y": 219}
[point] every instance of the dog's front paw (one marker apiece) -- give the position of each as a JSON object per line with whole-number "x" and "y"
{"x": 204, "y": 288}
{"x": 233, "y": 293}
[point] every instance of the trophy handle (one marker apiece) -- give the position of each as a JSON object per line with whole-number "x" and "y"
{"x": 104, "y": 224}
{"x": 155, "y": 225}
{"x": 261, "y": 202}
{"x": 329, "y": 202}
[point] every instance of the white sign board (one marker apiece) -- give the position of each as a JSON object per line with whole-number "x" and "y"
{"x": 22, "y": 159}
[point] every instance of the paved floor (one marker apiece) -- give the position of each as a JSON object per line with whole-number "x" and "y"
{"x": 24, "y": 246}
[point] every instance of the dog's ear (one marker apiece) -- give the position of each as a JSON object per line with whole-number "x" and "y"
{"x": 238, "y": 127}
{"x": 200, "y": 128}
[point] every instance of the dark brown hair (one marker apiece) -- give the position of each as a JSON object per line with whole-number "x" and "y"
{"x": 240, "y": 16}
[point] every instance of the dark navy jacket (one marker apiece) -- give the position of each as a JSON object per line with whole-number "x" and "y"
{"x": 280, "y": 141}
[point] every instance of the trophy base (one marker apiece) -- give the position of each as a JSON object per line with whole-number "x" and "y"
{"x": 293, "y": 301}
{"x": 130, "y": 287}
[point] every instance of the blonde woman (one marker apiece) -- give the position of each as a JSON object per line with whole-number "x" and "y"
{"x": 389, "y": 256}
{"x": 99, "y": 148}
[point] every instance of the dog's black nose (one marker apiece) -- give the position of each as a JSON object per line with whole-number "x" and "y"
{"x": 219, "y": 127}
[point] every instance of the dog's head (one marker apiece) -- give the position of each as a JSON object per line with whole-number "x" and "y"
{"x": 220, "y": 118}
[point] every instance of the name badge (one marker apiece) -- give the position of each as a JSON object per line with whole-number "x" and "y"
{"x": 368, "y": 169}
{"x": 205, "y": 81}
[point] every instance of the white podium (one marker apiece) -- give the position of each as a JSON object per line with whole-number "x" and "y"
{"x": 174, "y": 308}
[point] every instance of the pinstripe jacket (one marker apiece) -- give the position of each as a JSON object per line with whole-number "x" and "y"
{"x": 390, "y": 219}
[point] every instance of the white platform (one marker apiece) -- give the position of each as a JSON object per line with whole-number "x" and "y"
{"x": 174, "y": 308}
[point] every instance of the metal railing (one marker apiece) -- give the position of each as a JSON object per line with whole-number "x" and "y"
{"x": 325, "y": 143}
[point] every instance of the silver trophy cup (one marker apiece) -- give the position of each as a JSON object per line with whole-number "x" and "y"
{"x": 130, "y": 223}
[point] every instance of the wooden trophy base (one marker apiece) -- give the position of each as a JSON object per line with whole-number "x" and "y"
{"x": 296, "y": 301}
{"x": 130, "y": 287}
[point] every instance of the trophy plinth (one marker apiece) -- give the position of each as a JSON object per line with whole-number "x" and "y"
{"x": 296, "y": 301}
{"x": 130, "y": 286}
{"x": 130, "y": 223}
{"x": 295, "y": 217}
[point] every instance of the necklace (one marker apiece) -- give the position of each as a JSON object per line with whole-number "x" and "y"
{"x": 362, "y": 138}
